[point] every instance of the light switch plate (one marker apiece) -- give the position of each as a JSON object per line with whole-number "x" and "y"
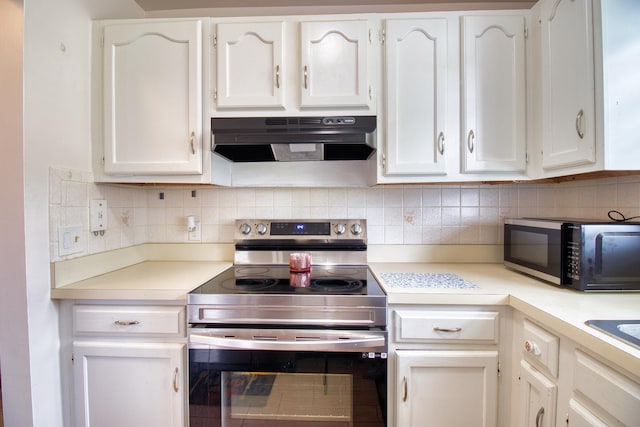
{"x": 70, "y": 240}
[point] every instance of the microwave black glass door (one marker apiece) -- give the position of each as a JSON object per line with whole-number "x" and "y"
{"x": 536, "y": 248}
{"x": 616, "y": 264}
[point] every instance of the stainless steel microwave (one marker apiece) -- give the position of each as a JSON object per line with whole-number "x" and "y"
{"x": 581, "y": 254}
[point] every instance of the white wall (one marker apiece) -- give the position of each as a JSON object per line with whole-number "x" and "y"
{"x": 396, "y": 214}
{"x": 44, "y": 120}
{"x": 14, "y": 344}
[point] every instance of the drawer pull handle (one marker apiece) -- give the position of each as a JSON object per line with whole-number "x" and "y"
{"x": 539, "y": 417}
{"x": 175, "y": 380}
{"x": 439, "y": 329}
{"x": 405, "y": 392}
{"x": 126, "y": 322}
{"x": 532, "y": 348}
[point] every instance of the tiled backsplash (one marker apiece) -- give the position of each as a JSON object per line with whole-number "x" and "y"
{"x": 396, "y": 214}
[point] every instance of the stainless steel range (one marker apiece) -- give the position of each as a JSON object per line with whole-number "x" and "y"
{"x": 293, "y": 333}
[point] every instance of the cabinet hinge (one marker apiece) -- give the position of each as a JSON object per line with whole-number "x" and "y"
{"x": 102, "y": 160}
{"x": 526, "y": 157}
{"x": 384, "y": 161}
{"x": 383, "y": 36}
{"x": 102, "y": 41}
{"x": 73, "y": 360}
{"x": 526, "y": 32}
{"x": 215, "y": 94}
{"x": 499, "y": 372}
{"x": 214, "y": 40}
{"x": 369, "y": 35}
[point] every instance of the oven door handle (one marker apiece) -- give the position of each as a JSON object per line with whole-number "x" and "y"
{"x": 266, "y": 343}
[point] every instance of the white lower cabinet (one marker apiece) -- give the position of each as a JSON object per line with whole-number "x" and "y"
{"x": 129, "y": 384}
{"x": 129, "y": 365}
{"x": 538, "y": 397}
{"x": 444, "y": 366}
{"x": 560, "y": 384}
{"x": 446, "y": 388}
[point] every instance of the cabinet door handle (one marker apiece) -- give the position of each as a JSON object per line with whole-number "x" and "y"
{"x": 126, "y": 322}
{"x": 470, "y": 138}
{"x": 175, "y": 380}
{"x": 441, "y": 143}
{"x": 306, "y": 76}
{"x": 277, "y": 76}
{"x": 439, "y": 329}
{"x": 192, "y": 137}
{"x": 405, "y": 392}
{"x": 539, "y": 417}
{"x": 579, "y": 123}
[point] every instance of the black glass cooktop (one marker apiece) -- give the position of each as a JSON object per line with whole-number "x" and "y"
{"x": 334, "y": 280}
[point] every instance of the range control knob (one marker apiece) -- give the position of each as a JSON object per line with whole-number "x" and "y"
{"x": 356, "y": 229}
{"x": 340, "y": 228}
{"x": 261, "y": 229}
{"x": 245, "y": 228}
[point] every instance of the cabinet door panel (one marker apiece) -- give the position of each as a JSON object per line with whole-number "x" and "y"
{"x": 129, "y": 385}
{"x": 250, "y": 64}
{"x": 416, "y": 98}
{"x": 446, "y": 388}
{"x": 334, "y": 64}
{"x": 538, "y": 397}
{"x": 494, "y": 94}
{"x": 568, "y": 93}
{"x": 153, "y": 98}
{"x": 579, "y": 416}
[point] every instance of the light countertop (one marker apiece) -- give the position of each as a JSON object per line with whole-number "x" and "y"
{"x": 148, "y": 280}
{"x": 563, "y": 310}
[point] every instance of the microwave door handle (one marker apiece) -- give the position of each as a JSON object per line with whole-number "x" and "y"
{"x": 312, "y": 344}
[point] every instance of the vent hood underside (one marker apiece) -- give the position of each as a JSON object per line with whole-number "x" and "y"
{"x": 293, "y": 139}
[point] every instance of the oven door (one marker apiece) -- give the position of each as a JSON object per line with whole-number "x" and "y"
{"x": 287, "y": 377}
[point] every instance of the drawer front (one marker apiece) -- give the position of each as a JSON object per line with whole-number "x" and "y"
{"x": 166, "y": 321}
{"x": 609, "y": 389}
{"x": 540, "y": 347}
{"x": 446, "y": 326}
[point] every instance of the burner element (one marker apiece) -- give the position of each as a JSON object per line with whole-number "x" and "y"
{"x": 250, "y": 285}
{"x": 332, "y": 284}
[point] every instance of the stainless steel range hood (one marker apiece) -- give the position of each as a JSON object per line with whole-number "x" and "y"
{"x": 294, "y": 139}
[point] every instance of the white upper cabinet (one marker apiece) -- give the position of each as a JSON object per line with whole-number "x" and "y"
{"x": 152, "y": 98}
{"x": 334, "y": 64}
{"x": 568, "y": 98}
{"x": 415, "y": 59}
{"x": 250, "y": 65}
{"x": 493, "y": 118}
{"x": 293, "y": 66}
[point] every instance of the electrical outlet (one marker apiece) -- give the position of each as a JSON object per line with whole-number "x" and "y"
{"x": 70, "y": 240}
{"x": 98, "y": 215}
{"x": 195, "y": 235}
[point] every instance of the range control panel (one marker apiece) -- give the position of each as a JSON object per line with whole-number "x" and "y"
{"x": 306, "y": 229}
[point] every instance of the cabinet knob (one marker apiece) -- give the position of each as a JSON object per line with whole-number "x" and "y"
{"x": 532, "y": 348}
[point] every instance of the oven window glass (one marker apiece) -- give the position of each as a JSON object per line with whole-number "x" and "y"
{"x": 241, "y": 388}
{"x": 530, "y": 247}
{"x": 325, "y": 399}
